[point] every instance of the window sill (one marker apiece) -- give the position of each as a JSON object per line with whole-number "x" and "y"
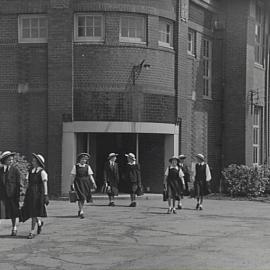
{"x": 193, "y": 55}
{"x": 207, "y": 98}
{"x": 165, "y": 45}
{"x": 130, "y": 40}
{"x": 31, "y": 41}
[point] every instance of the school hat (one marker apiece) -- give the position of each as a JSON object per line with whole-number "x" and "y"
{"x": 111, "y": 155}
{"x": 6, "y": 154}
{"x": 182, "y": 157}
{"x": 40, "y": 159}
{"x": 131, "y": 156}
{"x": 200, "y": 156}
{"x": 174, "y": 157}
{"x": 83, "y": 155}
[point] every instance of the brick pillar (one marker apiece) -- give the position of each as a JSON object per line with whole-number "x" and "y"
{"x": 60, "y": 94}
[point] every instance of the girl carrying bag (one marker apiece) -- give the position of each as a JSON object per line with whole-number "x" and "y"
{"x": 73, "y": 196}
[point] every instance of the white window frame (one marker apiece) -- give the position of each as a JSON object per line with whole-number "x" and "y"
{"x": 256, "y": 137}
{"x": 191, "y": 48}
{"x": 132, "y": 39}
{"x": 170, "y": 33}
{"x": 92, "y": 39}
{"x": 22, "y": 39}
{"x": 259, "y": 34}
{"x": 207, "y": 59}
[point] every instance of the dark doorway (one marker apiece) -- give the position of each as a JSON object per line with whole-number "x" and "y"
{"x": 120, "y": 143}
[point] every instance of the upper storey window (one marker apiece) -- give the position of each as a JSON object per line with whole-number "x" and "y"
{"x": 191, "y": 42}
{"x": 133, "y": 29}
{"x": 207, "y": 67}
{"x": 165, "y": 33}
{"x": 33, "y": 29}
{"x": 259, "y": 33}
{"x": 89, "y": 27}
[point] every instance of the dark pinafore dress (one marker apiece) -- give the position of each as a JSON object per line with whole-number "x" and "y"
{"x": 200, "y": 185}
{"x": 83, "y": 184}
{"x": 34, "y": 198}
{"x": 174, "y": 183}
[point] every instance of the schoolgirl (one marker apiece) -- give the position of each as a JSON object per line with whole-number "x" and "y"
{"x": 202, "y": 175}
{"x": 111, "y": 177}
{"x": 81, "y": 180}
{"x": 173, "y": 180}
{"x": 10, "y": 185}
{"x": 36, "y": 196}
{"x": 133, "y": 177}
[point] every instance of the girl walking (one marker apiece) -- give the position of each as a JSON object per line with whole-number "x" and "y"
{"x": 36, "y": 196}
{"x": 174, "y": 177}
{"x": 111, "y": 177}
{"x": 81, "y": 180}
{"x": 202, "y": 175}
{"x": 10, "y": 184}
{"x": 133, "y": 174}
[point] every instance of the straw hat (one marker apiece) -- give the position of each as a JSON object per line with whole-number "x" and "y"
{"x": 131, "y": 156}
{"x": 6, "y": 154}
{"x": 83, "y": 155}
{"x": 182, "y": 157}
{"x": 111, "y": 155}
{"x": 40, "y": 159}
{"x": 200, "y": 156}
{"x": 174, "y": 157}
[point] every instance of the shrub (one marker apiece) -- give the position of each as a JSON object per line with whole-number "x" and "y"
{"x": 241, "y": 180}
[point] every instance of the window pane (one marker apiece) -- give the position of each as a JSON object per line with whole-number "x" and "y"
{"x": 34, "y": 33}
{"x": 89, "y": 21}
{"x": 81, "y": 21}
{"x": 26, "y": 33}
{"x": 124, "y": 32}
{"x": 97, "y": 32}
{"x": 26, "y": 23}
{"x": 89, "y": 31}
{"x": 34, "y": 22}
{"x": 81, "y": 32}
{"x": 43, "y": 33}
{"x": 97, "y": 21}
{"x": 43, "y": 23}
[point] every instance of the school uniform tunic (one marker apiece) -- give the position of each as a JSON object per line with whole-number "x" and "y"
{"x": 111, "y": 176}
{"x": 34, "y": 197}
{"x": 202, "y": 176}
{"x": 133, "y": 173}
{"x": 10, "y": 183}
{"x": 82, "y": 181}
{"x": 174, "y": 181}
{"x": 185, "y": 170}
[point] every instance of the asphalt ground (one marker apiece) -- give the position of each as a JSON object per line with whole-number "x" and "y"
{"x": 225, "y": 235}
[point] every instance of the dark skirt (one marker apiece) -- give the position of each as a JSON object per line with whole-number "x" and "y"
{"x": 175, "y": 189}
{"x": 200, "y": 188}
{"x": 9, "y": 208}
{"x": 133, "y": 188}
{"x": 33, "y": 204}
{"x": 83, "y": 187}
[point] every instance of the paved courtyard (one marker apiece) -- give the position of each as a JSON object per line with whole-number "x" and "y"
{"x": 225, "y": 235}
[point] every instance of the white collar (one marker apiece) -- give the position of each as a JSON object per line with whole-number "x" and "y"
{"x": 81, "y": 165}
{"x": 132, "y": 163}
{"x": 37, "y": 169}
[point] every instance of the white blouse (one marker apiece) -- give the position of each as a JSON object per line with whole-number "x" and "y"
{"x": 44, "y": 175}
{"x": 181, "y": 174}
{"x": 73, "y": 171}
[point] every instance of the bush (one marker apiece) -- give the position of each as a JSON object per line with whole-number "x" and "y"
{"x": 241, "y": 180}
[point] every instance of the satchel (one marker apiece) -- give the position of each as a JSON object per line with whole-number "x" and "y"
{"x": 105, "y": 188}
{"x": 139, "y": 191}
{"x": 73, "y": 196}
{"x": 165, "y": 195}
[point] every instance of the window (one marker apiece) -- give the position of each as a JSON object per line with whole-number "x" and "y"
{"x": 259, "y": 33}
{"x": 132, "y": 29}
{"x": 191, "y": 42}
{"x": 165, "y": 33}
{"x": 33, "y": 29}
{"x": 256, "y": 134}
{"x": 207, "y": 67}
{"x": 89, "y": 27}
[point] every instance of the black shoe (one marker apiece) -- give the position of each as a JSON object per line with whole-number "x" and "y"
{"x": 133, "y": 204}
{"x": 14, "y": 232}
{"x": 197, "y": 206}
{"x": 30, "y": 236}
{"x": 81, "y": 216}
{"x": 179, "y": 206}
{"x": 79, "y": 212}
{"x": 39, "y": 227}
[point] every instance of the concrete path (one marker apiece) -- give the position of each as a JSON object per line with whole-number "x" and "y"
{"x": 226, "y": 235}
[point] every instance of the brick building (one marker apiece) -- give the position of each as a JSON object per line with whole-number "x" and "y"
{"x": 154, "y": 77}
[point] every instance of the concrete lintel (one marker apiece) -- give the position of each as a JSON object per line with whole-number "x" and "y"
{"x": 119, "y": 127}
